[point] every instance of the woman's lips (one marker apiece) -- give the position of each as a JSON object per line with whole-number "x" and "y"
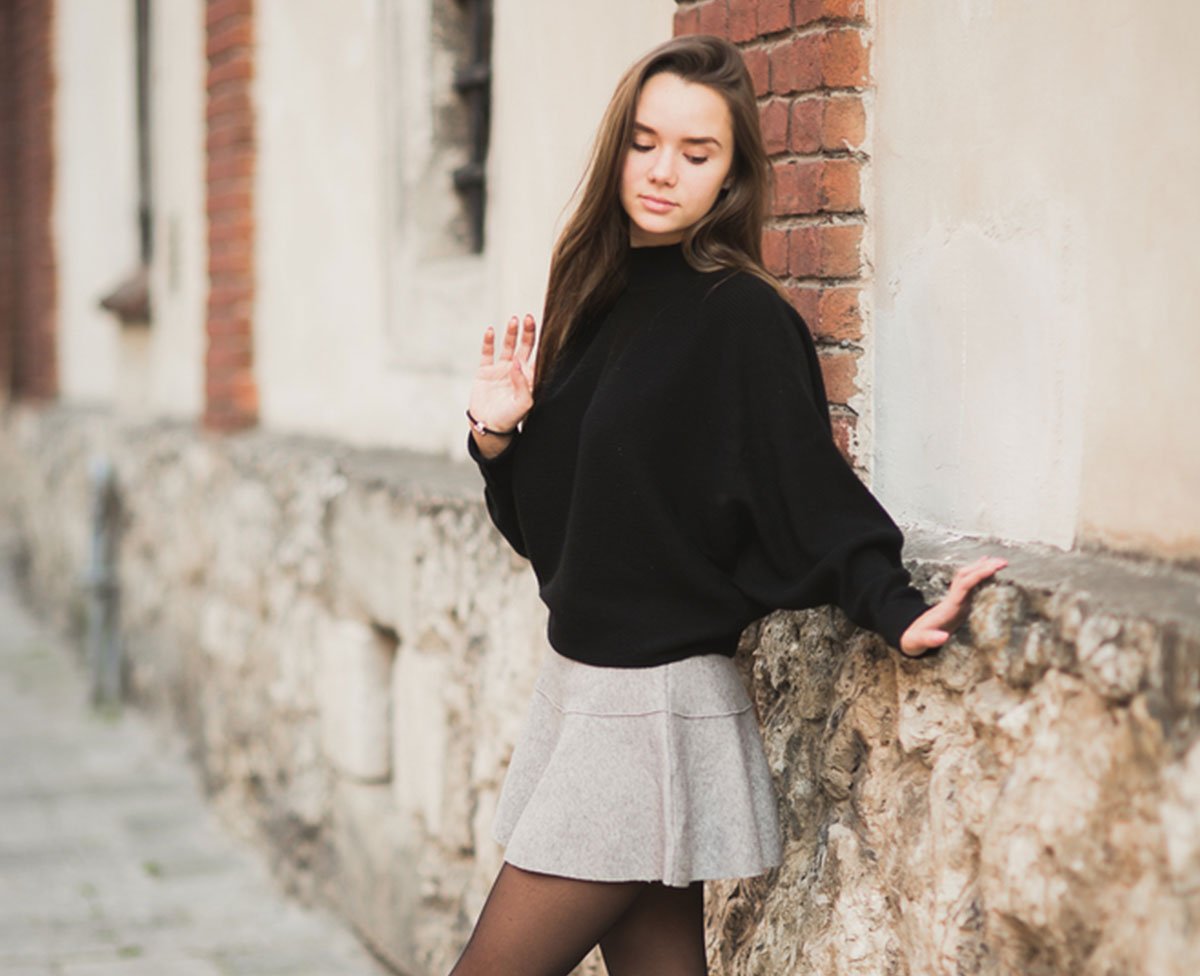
{"x": 656, "y": 204}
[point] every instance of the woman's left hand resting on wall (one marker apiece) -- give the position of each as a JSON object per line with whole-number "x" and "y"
{"x": 932, "y": 629}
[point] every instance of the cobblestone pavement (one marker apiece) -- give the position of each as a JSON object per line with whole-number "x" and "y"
{"x": 110, "y": 862}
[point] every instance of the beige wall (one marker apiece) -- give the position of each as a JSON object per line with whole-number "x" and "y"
{"x": 95, "y": 187}
{"x": 179, "y": 271}
{"x": 362, "y": 331}
{"x": 1034, "y": 206}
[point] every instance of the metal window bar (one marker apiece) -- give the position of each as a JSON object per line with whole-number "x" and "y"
{"x": 473, "y": 82}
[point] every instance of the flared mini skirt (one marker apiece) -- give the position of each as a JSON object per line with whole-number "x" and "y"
{"x": 648, "y": 774}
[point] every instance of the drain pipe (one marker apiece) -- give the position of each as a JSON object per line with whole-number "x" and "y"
{"x": 100, "y": 582}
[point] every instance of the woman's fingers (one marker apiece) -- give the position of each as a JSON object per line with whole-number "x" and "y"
{"x": 932, "y": 628}
{"x": 488, "y": 352}
{"x": 514, "y": 332}
{"x": 528, "y": 334}
{"x": 510, "y": 339}
{"x": 969, "y": 577}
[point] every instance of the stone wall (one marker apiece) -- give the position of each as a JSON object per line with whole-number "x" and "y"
{"x": 350, "y": 648}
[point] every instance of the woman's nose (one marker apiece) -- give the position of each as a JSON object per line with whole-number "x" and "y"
{"x": 663, "y": 170}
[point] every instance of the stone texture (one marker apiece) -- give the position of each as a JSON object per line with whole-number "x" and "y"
{"x": 351, "y": 647}
{"x": 354, "y": 691}
{"x": 111, "y": 863}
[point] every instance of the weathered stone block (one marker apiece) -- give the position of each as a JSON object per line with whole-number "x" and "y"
{"x": 354, "y": 683}
{"x": 421, "y": 733}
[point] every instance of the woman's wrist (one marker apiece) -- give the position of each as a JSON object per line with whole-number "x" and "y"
{"x": 481, "y": 428}
{"x": 491, "y": 445}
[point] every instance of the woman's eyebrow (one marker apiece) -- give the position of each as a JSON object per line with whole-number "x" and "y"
{"x": 694, "y": 140}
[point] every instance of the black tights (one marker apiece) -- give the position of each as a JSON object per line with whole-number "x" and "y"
{"x": 542, "y": 925}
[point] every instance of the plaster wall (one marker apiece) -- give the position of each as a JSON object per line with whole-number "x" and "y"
{"x": 1034, "y": 303}
{"x": 366, "y": 328}
{"x": 95, "y": 192}
{"x": 178, "y": 273}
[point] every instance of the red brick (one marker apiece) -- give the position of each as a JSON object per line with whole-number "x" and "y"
{"x": 743, "y": 20}
{"x": 229, "y": 232}
{"x": 845, "y": 9}
{"x": 239, "y": 202}
{"x": 797, "y": 187}
{"x": 714, "y": 18}
{"x": 233, "y": 263}
{"x": 844, "y": 125}
{"x": 774, "y": 15}
{"x": 825, "y": 251}
{"x": 240, "y": 68}
{"x": 840, "y": 370}
{"x": 845, "y": 434}
{"x": 845, "y": 59}
{"x": 229, "y": 166}
{"x": 245, "y": 395}
{"x": 796, "y": 64}
{"x": 28, "y": 259}
{"x": 234, "y": 102}
{"x": 839, "y": 316}
{"x": 832, "y": 314}
{"x": 221, "y": 10}
{"x": 804, "y": 252}
{"x": 227, "y": 322}
{"x": 687, "y": 21}
{"x": 228, "y": 298}
{"x": 758, "y": 64}
{"x": 231, "y": 353}
{"x": 774, "y": 119}
{"x": 841, "y": 186}
{"x": 805, "y": 125}
{"x": 231, "y": 395}
{"x": 816, "y": 186}
{"x": 228, "y": 134}
{"x": 841, "y": 250}
{"x": 228, "y": 38}
{"x": 806, "y": 299}
{"x": 775, "y": 251}
{"x": 810, "y": 11}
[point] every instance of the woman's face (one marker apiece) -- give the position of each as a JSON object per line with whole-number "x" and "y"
{"x": 680, "y": 156}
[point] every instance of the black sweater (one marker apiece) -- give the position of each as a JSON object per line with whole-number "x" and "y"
{"x": 677, "y": 479}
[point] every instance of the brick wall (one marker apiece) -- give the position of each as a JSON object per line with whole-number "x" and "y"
{"x": 28, "y": 351}
{"x": 810, "y": 64}
{"x": 231, "y": 394}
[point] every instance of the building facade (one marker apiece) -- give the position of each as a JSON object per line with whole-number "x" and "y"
{"x": 247, "y": 252}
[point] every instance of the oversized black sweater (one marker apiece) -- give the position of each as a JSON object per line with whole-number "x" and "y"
{"x": 676, "y": 478}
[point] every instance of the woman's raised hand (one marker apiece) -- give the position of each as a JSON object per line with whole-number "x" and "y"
{"x": 933, "y": 627}
{"x": 503, "y": 390}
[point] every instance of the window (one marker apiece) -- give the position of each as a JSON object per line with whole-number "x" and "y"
{"x": 473, "y": 82}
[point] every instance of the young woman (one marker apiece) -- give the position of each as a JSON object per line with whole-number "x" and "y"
{"x": 667, "y": 466}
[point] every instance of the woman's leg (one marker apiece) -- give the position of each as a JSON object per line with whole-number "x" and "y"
{"x": 661, "y": 934}
{"x": 541, "y": 925}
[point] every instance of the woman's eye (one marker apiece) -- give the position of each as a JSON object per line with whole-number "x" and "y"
{"x": 638, "y": 147}
{"x": 696, "y": 159}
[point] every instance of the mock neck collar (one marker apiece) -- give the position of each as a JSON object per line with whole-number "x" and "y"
{"x": 646, "y": 264}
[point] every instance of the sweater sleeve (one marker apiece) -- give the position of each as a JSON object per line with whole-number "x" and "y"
{"x": 498, "y": 490}
{"x": 811, "y": 532}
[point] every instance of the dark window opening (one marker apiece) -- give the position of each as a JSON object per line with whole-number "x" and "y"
{"x": 473, "y": 83}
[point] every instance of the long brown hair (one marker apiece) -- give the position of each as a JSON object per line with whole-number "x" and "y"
{"x": 587, "y": 266}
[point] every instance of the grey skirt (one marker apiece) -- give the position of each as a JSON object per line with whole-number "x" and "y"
{"x": 650, "y": 774}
